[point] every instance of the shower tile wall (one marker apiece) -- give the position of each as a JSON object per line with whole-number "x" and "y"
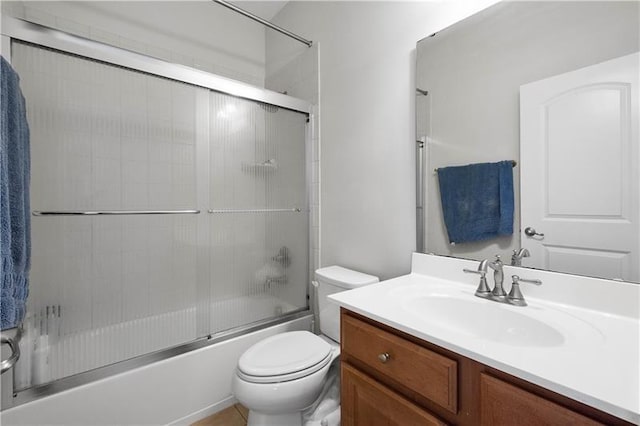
{"x": 315, "y": 187}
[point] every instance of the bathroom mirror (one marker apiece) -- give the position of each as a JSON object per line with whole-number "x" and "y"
{"x": 551, "y": 86}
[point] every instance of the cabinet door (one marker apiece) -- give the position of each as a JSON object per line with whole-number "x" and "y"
{"x": 366, "y": 402}
{"x": 502, "y": 403}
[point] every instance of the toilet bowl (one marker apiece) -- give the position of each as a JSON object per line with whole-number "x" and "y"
{"x": 282, "y": 375}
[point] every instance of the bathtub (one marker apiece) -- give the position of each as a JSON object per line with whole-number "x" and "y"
{"x": 177, "y": 390}
{"x": 48, "y": 354}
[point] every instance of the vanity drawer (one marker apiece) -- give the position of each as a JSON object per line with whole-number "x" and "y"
{"x": 502, "y": 402}
{"x": 421, "y": 370}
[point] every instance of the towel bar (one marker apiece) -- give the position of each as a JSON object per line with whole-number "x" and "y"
{"x": 109, "y": 212}
{"x": 513, "y": 164}
{"x": 294, "y": 210}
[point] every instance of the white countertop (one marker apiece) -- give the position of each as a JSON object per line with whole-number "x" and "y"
{"x": 594, "y": 357}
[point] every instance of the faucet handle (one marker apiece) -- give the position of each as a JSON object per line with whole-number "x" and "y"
{"x": 515, "y": 296}
{"x": 483, "y": 289}
{"x": 516, "y": 279}
{"x": 473, "y": 271}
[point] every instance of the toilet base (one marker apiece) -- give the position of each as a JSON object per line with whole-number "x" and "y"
{"x": 257, "y": 418}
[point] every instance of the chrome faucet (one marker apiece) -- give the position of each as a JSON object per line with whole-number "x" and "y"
{"x": 282, "y": 257}
{"x": 516, "y": 257}
{"x": 498, "y": 294}
{"x": 498, "y": 279}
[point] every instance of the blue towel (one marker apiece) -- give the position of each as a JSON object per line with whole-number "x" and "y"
{"x": 15, "y": 224}
{"x": 477, "y": 200}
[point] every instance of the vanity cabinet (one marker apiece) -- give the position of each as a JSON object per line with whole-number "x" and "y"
{"x": 392, "y": 378}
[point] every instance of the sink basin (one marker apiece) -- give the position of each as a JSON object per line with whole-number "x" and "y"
{"x": 484, "y": 319}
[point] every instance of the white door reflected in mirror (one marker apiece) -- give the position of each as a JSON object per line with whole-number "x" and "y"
{"x": 580, "y": 177}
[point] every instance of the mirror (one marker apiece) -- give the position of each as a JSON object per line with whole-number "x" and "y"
{"x": 516, "y": 82}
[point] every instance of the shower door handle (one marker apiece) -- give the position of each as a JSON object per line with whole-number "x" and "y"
{"x": 8, "y": 363}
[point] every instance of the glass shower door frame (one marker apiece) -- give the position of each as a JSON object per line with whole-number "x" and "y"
{"x": 41, "y": 36}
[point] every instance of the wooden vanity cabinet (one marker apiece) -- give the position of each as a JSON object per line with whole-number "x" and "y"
{"x": 391, "y": 378}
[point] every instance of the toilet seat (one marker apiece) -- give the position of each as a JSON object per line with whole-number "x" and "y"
{"x": 284, "y": 357}
{"x": 286, "y": 377}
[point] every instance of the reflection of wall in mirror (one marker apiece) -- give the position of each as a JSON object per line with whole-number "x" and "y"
{"x": 473, "y": 71}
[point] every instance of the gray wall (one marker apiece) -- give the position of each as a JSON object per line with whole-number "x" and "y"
{"x": 473, "y": 72}
{"x": 366, "y": 122}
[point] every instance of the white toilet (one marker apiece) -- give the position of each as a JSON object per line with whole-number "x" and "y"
{"x": 282, "y": 375}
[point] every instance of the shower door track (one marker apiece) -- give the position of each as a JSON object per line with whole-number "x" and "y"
{"x": 17, "y": 29}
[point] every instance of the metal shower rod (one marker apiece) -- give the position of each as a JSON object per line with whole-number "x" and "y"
{"x": 264, "y": 22}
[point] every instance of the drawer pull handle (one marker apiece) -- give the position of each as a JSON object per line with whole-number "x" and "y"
{"x": 384, "y": 357}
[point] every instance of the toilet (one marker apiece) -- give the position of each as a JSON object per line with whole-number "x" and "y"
{"x": 282, "y": 375}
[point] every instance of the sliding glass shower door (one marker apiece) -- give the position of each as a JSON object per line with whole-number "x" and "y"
{"x": 163, "y": 213}
{"x": 258, "y": 211}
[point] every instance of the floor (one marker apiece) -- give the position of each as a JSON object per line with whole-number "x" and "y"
{"x": 236, "y": 415}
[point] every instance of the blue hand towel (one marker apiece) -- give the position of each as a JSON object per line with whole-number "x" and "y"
{"x": 477, "y": 200}
{"x": 15, "y": 224}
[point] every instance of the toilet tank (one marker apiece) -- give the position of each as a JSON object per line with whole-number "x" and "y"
{"x": 333, "y": 279}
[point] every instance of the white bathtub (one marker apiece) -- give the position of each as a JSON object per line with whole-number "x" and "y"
{"x": 50, "y": 355}
{"x": 178, "y": 390}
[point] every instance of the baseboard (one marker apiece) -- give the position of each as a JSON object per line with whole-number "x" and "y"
{"x": 205, "y": 412}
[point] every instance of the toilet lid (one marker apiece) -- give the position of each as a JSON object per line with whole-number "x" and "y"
{"x": 284, "y": 354}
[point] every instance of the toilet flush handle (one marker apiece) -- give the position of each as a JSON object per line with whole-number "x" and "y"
{"x": 384, "y": 357}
